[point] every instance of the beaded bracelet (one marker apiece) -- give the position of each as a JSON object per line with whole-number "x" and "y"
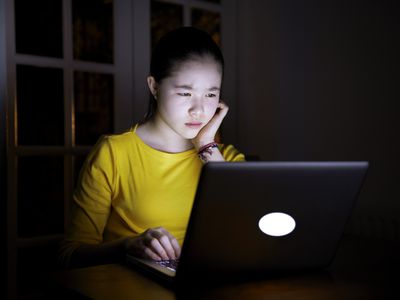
{"x": 210, "y": 145}
{"x": 206, "y": 149}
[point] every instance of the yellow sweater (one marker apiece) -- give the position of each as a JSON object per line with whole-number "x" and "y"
{"x": 126, "y": 187}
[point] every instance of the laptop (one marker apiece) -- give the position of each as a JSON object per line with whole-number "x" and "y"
{"x": 263, "y": 219}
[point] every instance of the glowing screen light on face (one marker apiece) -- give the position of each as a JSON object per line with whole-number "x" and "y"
{"x": 277, "y": 224}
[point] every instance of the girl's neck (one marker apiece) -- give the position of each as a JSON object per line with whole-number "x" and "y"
{"x": 156, "y": 134}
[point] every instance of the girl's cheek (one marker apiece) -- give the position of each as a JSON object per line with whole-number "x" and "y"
{"x": 214, "y": 107}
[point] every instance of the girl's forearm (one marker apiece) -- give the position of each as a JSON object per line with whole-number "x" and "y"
{"x": 104, "y": 253}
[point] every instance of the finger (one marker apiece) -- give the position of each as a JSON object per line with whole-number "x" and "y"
{"x": 176, "y": 247}
{"x": 138, "y": 247}
{"x": 173, "y": 242}
{"x": 163, "y": 238}
{"x": 170, "y": 243}
{"x": 223, "y": 109}
{"x": 152, "y": 238}
{"x": 217, "y": 119}
{"x": 222, "y": 104}
{"x": 149, "y": 253}
{"x": 158, "y": 248}
{"x": 167, "y": 245}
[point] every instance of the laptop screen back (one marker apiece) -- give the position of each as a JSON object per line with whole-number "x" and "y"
{"x": 224, "y": 237}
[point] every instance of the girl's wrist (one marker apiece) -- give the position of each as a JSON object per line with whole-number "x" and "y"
{"x": 206, "y": 146}
{"x": 205, "y": 152}
{"x": 127, "y": 245}
{"x": 199, "y": 145}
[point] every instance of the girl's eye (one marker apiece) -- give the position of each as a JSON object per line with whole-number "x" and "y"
{"x": 184, "y": 94}
{"x": 211, "y": 95}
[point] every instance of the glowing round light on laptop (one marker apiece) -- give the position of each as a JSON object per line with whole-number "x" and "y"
{"x": 277, "y": 224}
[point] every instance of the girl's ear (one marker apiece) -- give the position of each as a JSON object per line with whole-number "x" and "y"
{"x": 151, "y": 82}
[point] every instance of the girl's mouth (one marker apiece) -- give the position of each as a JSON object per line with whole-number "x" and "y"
{"x": 193, "y": 125}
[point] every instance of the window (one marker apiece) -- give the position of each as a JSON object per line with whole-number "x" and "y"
{"x": 169, "y": 15}
{"x": 61, "y": 59}
{"x": 74, "y": 70}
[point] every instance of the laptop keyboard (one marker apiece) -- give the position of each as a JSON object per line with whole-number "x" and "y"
{"x": 170, "y": 264}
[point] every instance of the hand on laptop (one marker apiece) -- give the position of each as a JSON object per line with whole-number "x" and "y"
{"x": 154, "y": 243}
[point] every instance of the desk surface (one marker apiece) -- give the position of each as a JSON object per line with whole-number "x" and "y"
{"x": 362, "y": 269}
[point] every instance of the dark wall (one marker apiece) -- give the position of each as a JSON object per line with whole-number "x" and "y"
{"x": 3, "y": 160}
{"x": 319, "y": 80}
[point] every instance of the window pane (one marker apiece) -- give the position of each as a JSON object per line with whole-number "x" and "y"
{"x": 38, "y": 27}
{"x": 93, "y": 30}
{"x": 40, "y": 106}
{"x": 164, "y": 18}
{"x": 94, "y": 98}
{"x": 40, "y": 195}
{"x": 209, "y": 22}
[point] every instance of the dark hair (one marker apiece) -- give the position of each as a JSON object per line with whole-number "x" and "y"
{"x": 176, "y": 47}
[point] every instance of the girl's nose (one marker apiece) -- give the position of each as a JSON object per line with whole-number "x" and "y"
{"x": 196, "y": 109}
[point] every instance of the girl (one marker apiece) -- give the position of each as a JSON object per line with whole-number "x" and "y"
{"x": 136, "y": 189}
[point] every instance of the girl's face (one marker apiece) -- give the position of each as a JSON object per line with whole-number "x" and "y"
{"x": 188, "y": 99}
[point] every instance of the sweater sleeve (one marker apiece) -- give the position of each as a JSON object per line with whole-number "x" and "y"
{"x": 92, "y": 199}
{"x": 230, "y": 153}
